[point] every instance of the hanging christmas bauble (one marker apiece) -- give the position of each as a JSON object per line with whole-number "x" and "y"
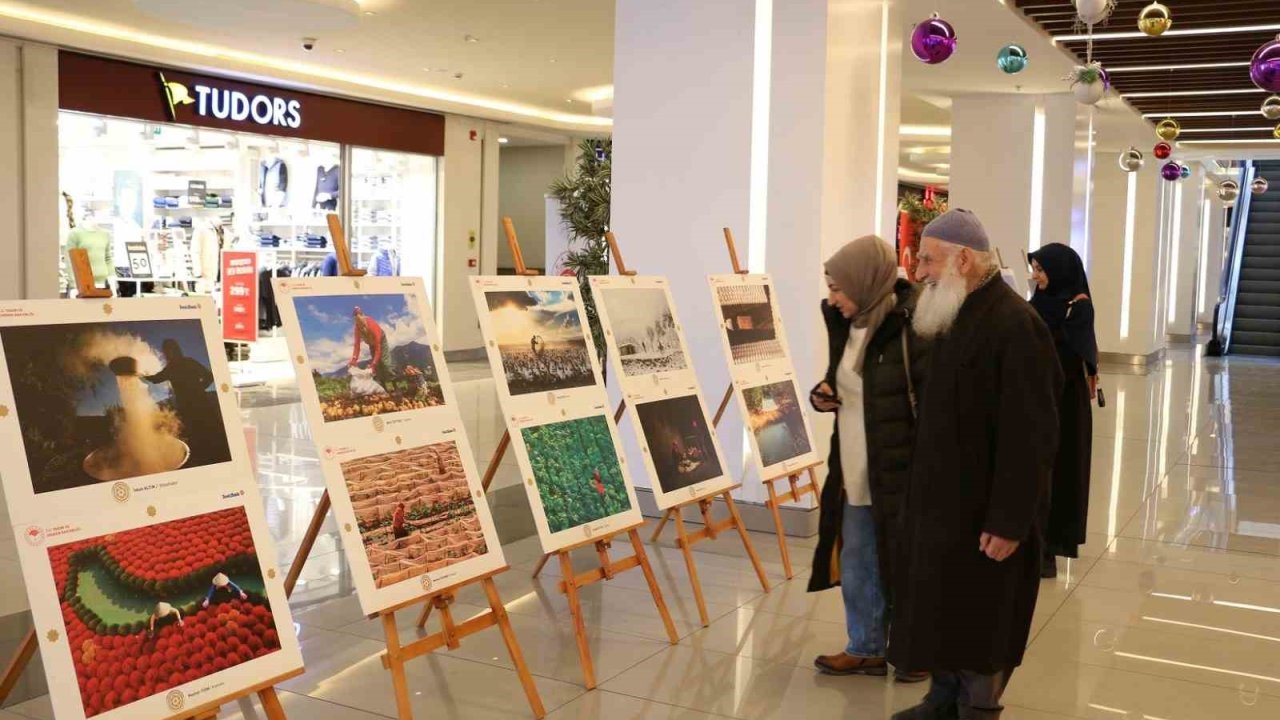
{"x": 1162, "y": 150}
{"x": 1264, "y": 69}
{"x": 1228, "y": 191}
{"x": 1131, "y": 160}
{"x": 1276, "y": 132}
{"x": 1259, "y": 185}
{"x": 1092, "y": 12}
{"x": 1154, "y": 19}
{"x": 1171, "y": 171}
{"x": 1271, "y": 108}
{"x": 1012, "y": 59}
{"x": 1185, "y": 171}
{"x": 1168, "y": 129}
{"x": 933, "y": 41}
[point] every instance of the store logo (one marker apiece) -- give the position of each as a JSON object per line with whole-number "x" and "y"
{"x": 231, "y": 105}
{"x": 175, "y": 700}
{"x": 120, "y": 492}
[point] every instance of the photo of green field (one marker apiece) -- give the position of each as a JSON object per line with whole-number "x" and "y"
{"x": 576, "y": 469}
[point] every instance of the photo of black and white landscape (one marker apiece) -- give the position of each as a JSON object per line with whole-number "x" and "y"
{"x": 644, "y": 330}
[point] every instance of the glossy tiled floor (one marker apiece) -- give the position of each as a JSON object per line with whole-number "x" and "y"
{"x": 1171, "y": 613}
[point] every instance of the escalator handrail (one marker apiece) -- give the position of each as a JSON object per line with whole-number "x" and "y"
{"x": 1231, "y": 278}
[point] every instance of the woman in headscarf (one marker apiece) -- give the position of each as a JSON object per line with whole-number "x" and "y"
{"x": 1062, "y": 298}
{"x": 874, "y": 376}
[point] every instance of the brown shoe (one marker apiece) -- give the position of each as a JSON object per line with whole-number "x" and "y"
{"x": 910, "y": 677}
{"x": 845, "y": 664}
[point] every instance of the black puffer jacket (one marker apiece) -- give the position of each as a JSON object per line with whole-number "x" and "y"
{"x": 890, "y": 421}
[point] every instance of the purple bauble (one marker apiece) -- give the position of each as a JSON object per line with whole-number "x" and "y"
{"x": 1265, "y": 67}
{"x": 933, "y": 40}
{"x": 1171, "y": 171}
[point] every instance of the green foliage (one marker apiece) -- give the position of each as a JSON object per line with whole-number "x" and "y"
{"x": 584, "y": 199}
{"x": 565, "y": 457}
{"x": 918, "y": 210}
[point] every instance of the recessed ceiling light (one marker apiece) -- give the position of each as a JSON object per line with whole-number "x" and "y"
{"x": 553, "y": 60}
{"x": 1134, "y": 35}
{"x": 1268, "y": 128}
{"x": 1193, "y": 93}
{"x": 471, "y": 38}
{"x": 340, "y": 51}
{"x": 503, "y": 141}
{"x": 1189, "y": 66}
{"x": 1204, "y": 113}
{"x": 506, "y": 85}
{"x": 370, "y": 12}
{"x": 569, "y": 100}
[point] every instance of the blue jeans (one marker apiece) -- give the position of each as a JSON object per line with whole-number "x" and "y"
{"x": 864, "y": 605}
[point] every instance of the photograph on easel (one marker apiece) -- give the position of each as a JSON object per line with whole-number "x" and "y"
{"x": 113, "y": 400}
{"x": 644, "y": 329}
{"x": 147, "y": 611}
{"x": 369, "y": 354}
{"x": 541, "y": 340}
{"x": 747, "y": 318}
{"x": 679, "y": 442}
{"x": 415, "y": 511}
{"x": 577, "y": 472}
{"x": 777, "y": 422}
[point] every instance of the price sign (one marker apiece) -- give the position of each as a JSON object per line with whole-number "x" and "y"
{"x": 239, "y": 296}
{"x": 139, "y": 259}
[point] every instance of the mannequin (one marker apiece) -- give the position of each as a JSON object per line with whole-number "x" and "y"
{"x": 90, "y": 236}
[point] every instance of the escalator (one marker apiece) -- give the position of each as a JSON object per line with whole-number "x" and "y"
{"x": 1255, "y": 325}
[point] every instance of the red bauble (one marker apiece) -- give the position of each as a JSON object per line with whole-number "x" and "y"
{"x": 1162, "y": 150}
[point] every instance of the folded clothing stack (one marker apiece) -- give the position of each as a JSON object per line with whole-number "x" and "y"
{"x": 315, "y": 242}
{"x": 269, "y": 241}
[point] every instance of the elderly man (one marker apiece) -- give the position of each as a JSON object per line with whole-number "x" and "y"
{"x": 985, "y": 444}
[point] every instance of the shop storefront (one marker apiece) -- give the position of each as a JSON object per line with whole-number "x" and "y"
{"x": 161, "y": 170}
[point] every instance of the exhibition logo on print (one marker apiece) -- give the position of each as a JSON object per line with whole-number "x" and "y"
{"x": 368, "y": 354}
{"x": 109, "y": 401}
{"x": 541, "y": 340}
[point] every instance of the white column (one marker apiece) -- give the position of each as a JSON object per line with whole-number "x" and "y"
{"x": 1012, "y": 158}
{"x": 1184, "y": 253}
{"x": 29, "y": 202}
{"x": 728, "y": 113}
{"x": 1211, "y": 245}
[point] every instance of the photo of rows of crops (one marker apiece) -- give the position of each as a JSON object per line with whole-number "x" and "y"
{"x": 153, "y": 608}
{"x": 575, "y": 466}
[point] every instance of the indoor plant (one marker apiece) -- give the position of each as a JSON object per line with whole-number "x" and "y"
{"x": 584, "y": 211}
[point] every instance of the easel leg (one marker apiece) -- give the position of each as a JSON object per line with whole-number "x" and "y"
{"x": 782, "y": 536}
{"x": 21, "y": 658}
{"x": 308, "y": 541}
{"x": 579, "y": 625}
{"x": 426, "y": 613}
{"x": 682, "y": 539}
{"x": 657, "y": 532}
{"x": 746, "y": 541}
{"x": 271, "y": 704}
{"x": 656, "y": 591}
{"x": 396, "y": 666}
{"x": 513, "y": 647}
{"x": 498, "y": 452}
{"x": 537, "y": 569}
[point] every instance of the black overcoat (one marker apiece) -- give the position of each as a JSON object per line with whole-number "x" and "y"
{"x": 986, "y": 439}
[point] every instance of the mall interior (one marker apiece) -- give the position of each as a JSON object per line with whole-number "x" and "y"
{"x": 172, "y": 139}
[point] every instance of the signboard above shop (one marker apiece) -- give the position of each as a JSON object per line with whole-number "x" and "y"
{"x": 104, "y": 86}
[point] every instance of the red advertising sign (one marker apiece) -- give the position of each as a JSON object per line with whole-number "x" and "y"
{"x": 239, "y": 295}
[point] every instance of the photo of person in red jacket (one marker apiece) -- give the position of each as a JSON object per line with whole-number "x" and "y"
{"x": 368, "y": 331}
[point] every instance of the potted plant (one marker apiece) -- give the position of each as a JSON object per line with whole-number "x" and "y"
{"x": 584, "y": 199}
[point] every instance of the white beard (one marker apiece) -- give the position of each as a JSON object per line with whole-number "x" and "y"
{"x": 939, "y": 304}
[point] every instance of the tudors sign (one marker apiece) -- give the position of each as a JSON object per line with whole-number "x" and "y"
{"x": 105, "y": 86}
{"x": 227, "y": 104}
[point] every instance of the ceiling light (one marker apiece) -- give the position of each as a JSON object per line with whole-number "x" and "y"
{"x": 553, "y": 60}
{"x": 1171, "y": 33}
{"x": 370, "y": 13}
{"x": 1193, "y": 93}
{"x": 1268, "y": 129}
{"x": 503, "y": 141}
{"x": 925, "y": 130}
{"x": 1240, "y": 141}
{"x": 1190, "y": 66}
{"x": 597, "y": 93}
{"x": 340, "y": 51}
{"x": 471, "y": 38}
{"x": 568, "y": 100}
{"x": 328, "y": 74}
{"x": 1205, "y": 113}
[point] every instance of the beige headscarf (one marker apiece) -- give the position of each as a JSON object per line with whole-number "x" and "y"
{"x": 865, "y": 270}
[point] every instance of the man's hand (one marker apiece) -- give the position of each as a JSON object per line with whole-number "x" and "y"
{"x": 997, "y": 548}
{"x": 1093, "y": 387}
{"x": 823, "y": 399}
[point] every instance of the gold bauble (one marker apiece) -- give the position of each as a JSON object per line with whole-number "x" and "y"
{"x": 1271, "y": 108}
{"x": 1276, "y": 132}
{"x": 1154, "y": 19}
{"x": 1168, "y": 129}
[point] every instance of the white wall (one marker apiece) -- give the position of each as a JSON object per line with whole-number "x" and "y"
{"x": 29, "y": 202}
{"x": 1214, "y": 238}
{"x": 1184, "y": 253}
{"x": 524, "y": 175}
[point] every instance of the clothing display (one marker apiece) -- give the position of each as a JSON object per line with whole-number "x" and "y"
{"x": 386, "y": 262}
{"x": 273, "y": 183}
{"x": 98, "y": 243}
{"x": 328, "y": 187}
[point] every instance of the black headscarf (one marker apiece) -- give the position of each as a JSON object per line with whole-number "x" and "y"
{"x": 1056, "y": 303}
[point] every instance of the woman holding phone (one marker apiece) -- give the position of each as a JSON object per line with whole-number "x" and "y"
{"x": 1063, "y": 300}
{"x": 874, "y": 377}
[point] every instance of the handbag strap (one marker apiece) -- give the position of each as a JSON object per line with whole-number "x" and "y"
{"x": 906, "y": 367}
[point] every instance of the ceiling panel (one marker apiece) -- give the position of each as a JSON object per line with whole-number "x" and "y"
{"x": 1206, "y": 84}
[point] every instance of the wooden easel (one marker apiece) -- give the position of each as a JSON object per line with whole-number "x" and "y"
{"x": 573, "y": 582}
{"x": 265, "y": 690}
{"x": 774, "y": 503}
{"x": 450, "y": 634}
{"x": 711, "y": 528}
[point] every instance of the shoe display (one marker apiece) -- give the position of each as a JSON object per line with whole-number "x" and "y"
{"x": 845, "y": 664}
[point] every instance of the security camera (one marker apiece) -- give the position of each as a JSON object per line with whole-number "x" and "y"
{"x": 308, "y": 44}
